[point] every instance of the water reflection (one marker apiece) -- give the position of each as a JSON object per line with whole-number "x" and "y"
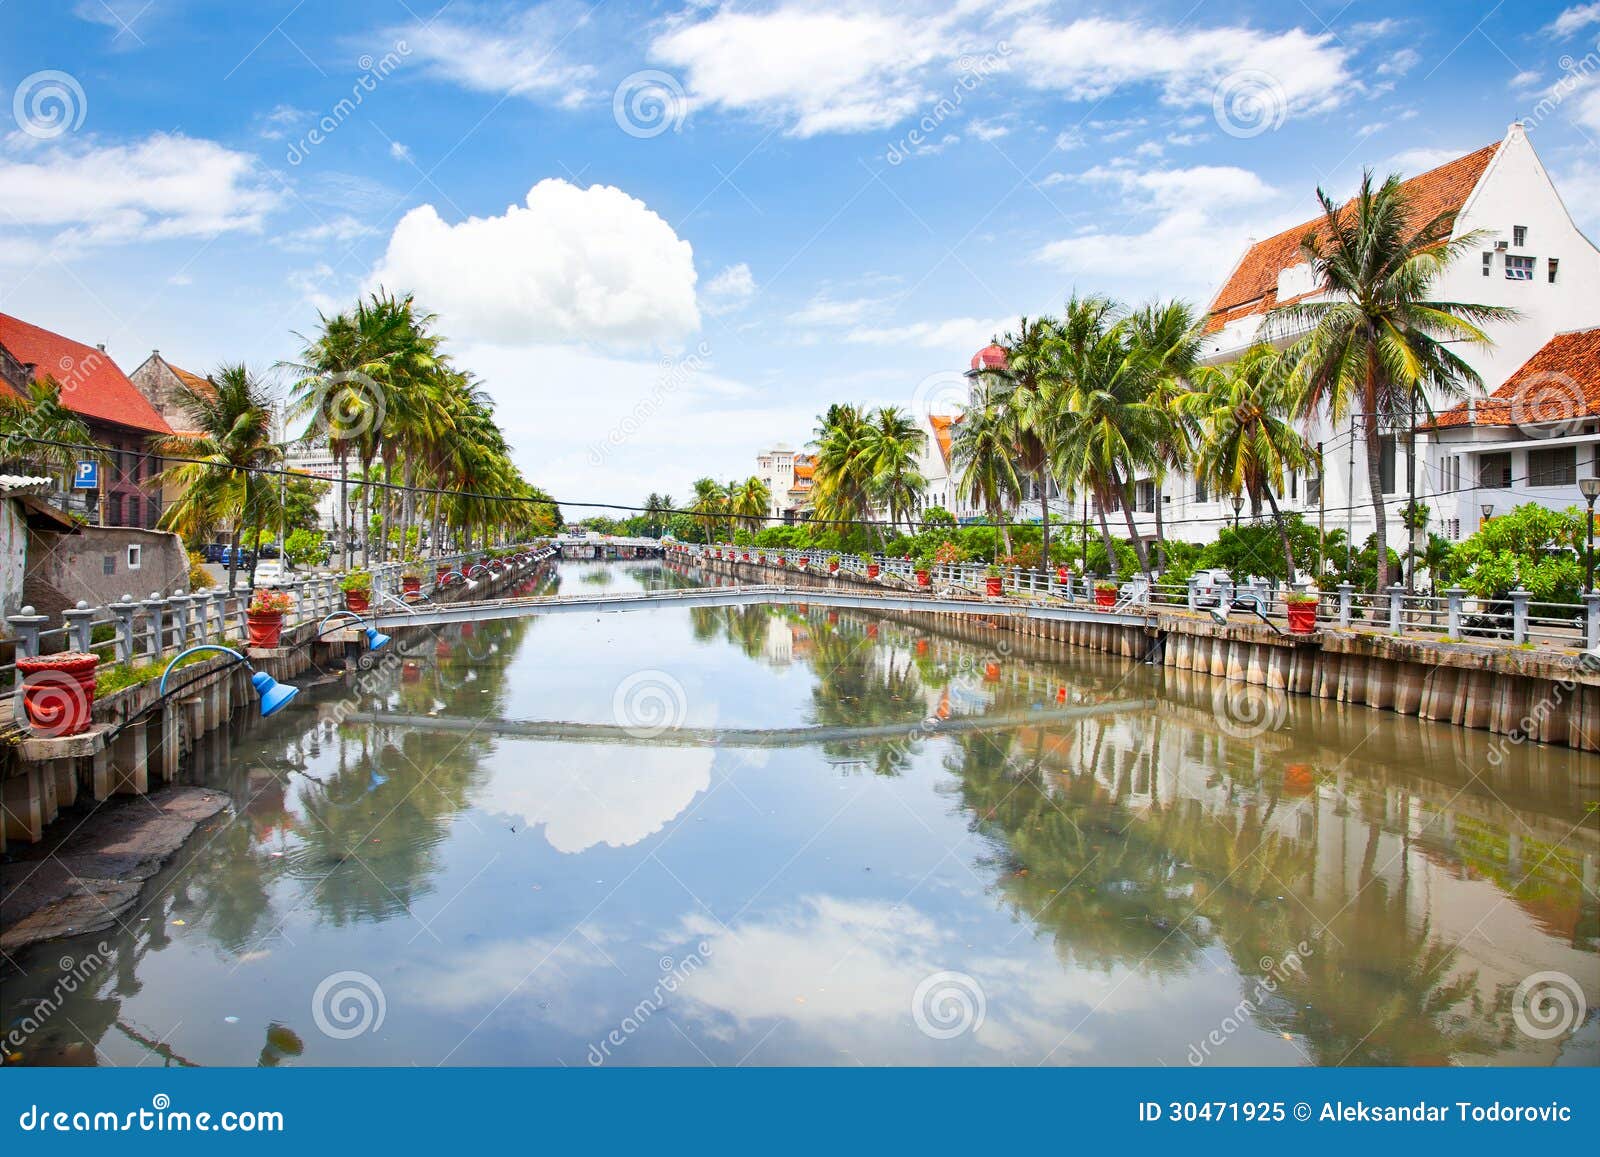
{"x": 1119, "y": 884}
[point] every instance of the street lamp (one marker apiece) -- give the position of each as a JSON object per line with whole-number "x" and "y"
{"x": 274, "y": 695}
{"x": 1590, "y": 489}
{"x": 1238, "y": 505}
{"x": 1488, "y": 512}
{"x": 375, "y": 637}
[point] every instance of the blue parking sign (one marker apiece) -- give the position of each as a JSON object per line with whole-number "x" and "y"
{"x": 87, "y": 476}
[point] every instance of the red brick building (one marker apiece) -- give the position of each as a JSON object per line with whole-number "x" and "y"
{"x": 118, "y": 416}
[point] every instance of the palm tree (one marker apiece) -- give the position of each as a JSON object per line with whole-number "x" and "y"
{"x": 38, "y": 431}
{"x": 1166, "y": 336}
{"x": 710, "y": 503}
{"x": 1248, "y": 438}
{"x": 1109, "y": 428}
{"x": 655, "y": 506}
{"x": 1379, "y": 339}
{"x": 749, "y": 502}
{"x": 893, "y": 443}
{"x": 1029, "y": 393}
{"x": 842, "y": 482}
{"x": 983, "y": 450}
{"x": 231, "y": 442}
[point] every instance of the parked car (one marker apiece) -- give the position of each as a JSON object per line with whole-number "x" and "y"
{"x": 213, "y": 551}
{"x": 269, "y": 550}
{"x": 269, "y": 572}
{"x": 1206, "y": 584}
{"x": 245, "y": 557}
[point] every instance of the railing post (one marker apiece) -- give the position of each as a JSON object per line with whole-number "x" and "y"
{"x": 1397, "y": 606}
{"x": 1225, "y": 594}
{"x": 1591, "y": 622}
{"x": 1453, "y": 598}
{"x": 1194, "y": 592}
{"x": 1519, "y": 615}
{"x": 180, "y": 619}
{"x": 1347, "y": 595}
{"x": 26, "y": 628}
{"x": 125, "y": 609}
{"x": 154, "y": 606}
{"x": 80, "y": 626}
{"x": 219, "y": 602}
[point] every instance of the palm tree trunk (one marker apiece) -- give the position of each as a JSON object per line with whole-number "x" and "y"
{"x": 1044, "y": 512}
{"x": 233, "y": 556}
{"x": 344, "y": 508}
{"x": 1380, "y": 526}
{"x": 1139, "y": 550}
{"x": 1160, "y": 482}
{"x": 1283, "y": 532}
{"x": 1100, "y": 502}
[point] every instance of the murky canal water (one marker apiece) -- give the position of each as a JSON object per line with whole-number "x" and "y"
{"x": 1089, "y": 862}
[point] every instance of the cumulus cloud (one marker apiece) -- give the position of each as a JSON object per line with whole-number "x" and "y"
{"x": 1575, "y": 19}
{"x": 570, "y": 264}
{"x": 956, "y": 333}
{"x": 1091, "y": 58}
{"x": 812, "y": 70}
{"x": 164, "y": 186}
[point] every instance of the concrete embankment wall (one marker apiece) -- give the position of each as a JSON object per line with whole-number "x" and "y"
{"x": 1540, "y": 695}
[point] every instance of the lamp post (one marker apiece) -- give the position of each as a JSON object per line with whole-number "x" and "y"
{"x": 1238, "y": 505}
{"x": 1590, "y": 489}
{"x": 1487, "y": 510}
{"x": 274, "y": 695}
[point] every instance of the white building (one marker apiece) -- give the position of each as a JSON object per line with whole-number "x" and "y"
{"x": 1534, "y": 259}
{"x": 787, "y": 473}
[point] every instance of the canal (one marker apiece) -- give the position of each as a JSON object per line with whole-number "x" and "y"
{"x": 796, "y": 836}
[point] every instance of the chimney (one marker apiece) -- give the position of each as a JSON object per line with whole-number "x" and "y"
{"x": 101, "y": 346}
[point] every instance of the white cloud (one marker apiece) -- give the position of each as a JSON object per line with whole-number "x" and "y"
{"x": 1091, "y": 58}
{"x": 1201, "y": 185}
{"x": 962, "y": 334}
{"x": 570, "y": 264}
{"x": 1410, "y": 162}
{"x": 831, "y": 311}
{"x": 517, "y": 57}
{"x": 162, "y": 187}
{"x": 399, "y": 152}
{"x": 1399, "y": 62}
{"x": 812, "y": 70}
{"x": 730, "y": 289}
{"x": 1525, "y": 80}
{"x": 1574, "y": 19}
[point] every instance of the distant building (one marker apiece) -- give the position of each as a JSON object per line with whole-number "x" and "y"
{"x": 118, "y": 416}
{"x": 788, "y": 475}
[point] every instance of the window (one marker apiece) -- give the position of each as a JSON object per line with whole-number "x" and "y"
{"x": 1519, "y": 235}
{"x": 1313, "y": 489}
{"x": 114, "y": 510}
{"x": 1146, "y": 497}
{"x": 1294, "y": 485}
{"x": 133, "y": 510}
{"x": 1386, "y": 453}
{"x": 1200, "y": 494}
{"x": 1556, "y": 466}
{"x": 134, "y": 553}
{"x": 108, "y": 565}
{"x": 1494, "y": 471}
{"x": 1453, "y": 529}
{"x": 1488, "y": 264}
{"x": 1554, "y": 264}
{"x": 1519, "y": 268}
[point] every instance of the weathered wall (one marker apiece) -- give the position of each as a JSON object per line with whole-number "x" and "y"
{"x": 93, "y": 566}
{"x": 13, "y": 550}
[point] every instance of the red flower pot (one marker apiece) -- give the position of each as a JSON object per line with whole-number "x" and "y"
{"x": 922, "y": 646}
{"x": 872, "y": 630}
{"x": 58, "y": 692}
{"x": 833, "y": 568}
{"x": 264, "y": 628}
{"x": 995, "y": 585}
{"x": 1302, "y": 617}
{"x": 357, "y": 601}
{"x": 410, "y": 587}
{"x": 872, "y": 570}
{"x": 924, "y": 579}
{"x": 439, "y": 575}
{"x": 1061, "y": 574}
{"x": 1105, "y": 596}
{"x": 747, "y": 556}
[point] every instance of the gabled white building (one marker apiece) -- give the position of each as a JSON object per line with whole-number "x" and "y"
{"x": 1533, "y": 258}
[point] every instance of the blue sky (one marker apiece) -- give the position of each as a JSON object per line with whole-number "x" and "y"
{"x": 666, "y": 235}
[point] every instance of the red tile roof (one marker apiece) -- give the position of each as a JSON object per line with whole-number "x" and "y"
{"x": 990, "y": 357}
{"x": 91, "y": 384}
{"x": 1253, "y": 288}
{"x": 1559, "y": 383}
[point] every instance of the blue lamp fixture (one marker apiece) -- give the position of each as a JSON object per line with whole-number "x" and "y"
{"x": 273, "y": 694}
{"x": 375, "y": 637}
